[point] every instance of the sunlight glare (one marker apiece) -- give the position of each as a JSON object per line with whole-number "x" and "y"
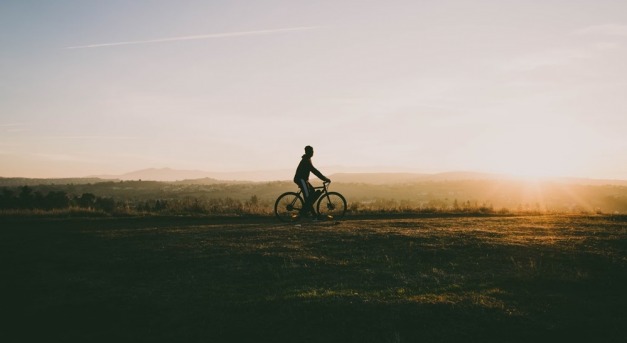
{"x": 533, "y": 151}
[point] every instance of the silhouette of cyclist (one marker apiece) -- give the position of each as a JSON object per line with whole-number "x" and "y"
{"x": 302, "y": 180}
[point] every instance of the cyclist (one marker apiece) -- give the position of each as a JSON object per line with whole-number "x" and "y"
{"x": 302, "y": 180}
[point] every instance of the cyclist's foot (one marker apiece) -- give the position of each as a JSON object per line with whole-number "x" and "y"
{"x": 295, "y": 217}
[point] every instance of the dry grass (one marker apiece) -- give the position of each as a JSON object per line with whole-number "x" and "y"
{"x": 517, "y": 279}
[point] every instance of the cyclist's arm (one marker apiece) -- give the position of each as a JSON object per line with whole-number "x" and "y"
{"x": 319, "y": 174}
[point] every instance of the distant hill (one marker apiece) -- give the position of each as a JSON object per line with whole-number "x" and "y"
{"x": 397, "y": 178}
{"x": 170, "y": 175}
{"x": 198, "y": 177}
{"x": 407, "y": 178}
{"x": 591, "y": 182}
{"x": 206, "y": 181}
{"x": 21, "y": 181}
{"x": 159, "y": 174}
{"x": 205, "y": 177}
{"x": 377, "y": 178}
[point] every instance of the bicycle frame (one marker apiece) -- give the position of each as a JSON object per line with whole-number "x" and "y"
{"x": 324, "y": 187}
{"x": 325, "y": 192}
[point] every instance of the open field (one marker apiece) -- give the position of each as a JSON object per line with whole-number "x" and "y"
{"x": 187, "y": 279}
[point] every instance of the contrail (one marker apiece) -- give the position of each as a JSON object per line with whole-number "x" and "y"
{"x": 12, "y": 124}
{"x": 195, "y": 37}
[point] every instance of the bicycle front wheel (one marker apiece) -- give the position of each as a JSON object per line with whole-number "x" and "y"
{"x": 288, "y": 206}
{"x": 332, "y": 205}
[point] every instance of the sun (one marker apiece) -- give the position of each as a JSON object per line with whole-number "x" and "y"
{"x": 532, "y": 152}
{"x": 530, "y": 163}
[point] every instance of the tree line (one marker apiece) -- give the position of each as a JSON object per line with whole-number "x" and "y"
{"x": 146, "y": 197}
{"x": 25, "y": 198}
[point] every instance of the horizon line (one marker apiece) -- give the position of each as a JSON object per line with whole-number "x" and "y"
{"x": 121, "y": 176}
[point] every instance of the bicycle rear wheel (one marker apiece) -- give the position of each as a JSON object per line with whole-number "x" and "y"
{"x": 288, "y": 206}
{"x": 332, "y": 205}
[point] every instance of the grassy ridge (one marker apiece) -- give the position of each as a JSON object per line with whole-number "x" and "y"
{"x": 516, "y": 279}
{"x": 137, "y": 197}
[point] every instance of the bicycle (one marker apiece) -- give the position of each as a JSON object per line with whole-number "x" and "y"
{"x": 332, "y": 205}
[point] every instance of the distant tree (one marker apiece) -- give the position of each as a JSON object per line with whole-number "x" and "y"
{"x": 26, "y": 197}
{"x": 56, "y": 200}
{"x": 7, "y": 199}
{"x": 160, "y": 205}
{"x": 39, "y": 200}
{"x": 105, "y": 204}
{"x": 86, "y": 200}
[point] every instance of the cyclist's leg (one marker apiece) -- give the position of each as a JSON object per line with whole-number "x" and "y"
{"x": 311, "y": 200}
{"x": 308, "y": 195}
{"x": 306, "y": 188}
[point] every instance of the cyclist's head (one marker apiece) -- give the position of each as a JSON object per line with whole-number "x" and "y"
{"x": 309, "y": 151}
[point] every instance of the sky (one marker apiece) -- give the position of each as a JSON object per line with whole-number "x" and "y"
{"x": 531, "y": 88}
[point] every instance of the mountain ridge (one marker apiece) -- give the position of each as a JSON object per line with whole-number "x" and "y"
{"x": 174, "y": 175}
{"x": 199, "y": 176}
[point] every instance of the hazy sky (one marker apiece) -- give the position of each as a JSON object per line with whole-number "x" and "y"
{"x": 528, "y": 87}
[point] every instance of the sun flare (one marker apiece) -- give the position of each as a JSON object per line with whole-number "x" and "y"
{"x": 532, "y": 150}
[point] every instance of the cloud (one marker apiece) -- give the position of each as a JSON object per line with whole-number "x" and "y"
{"x": 13, "y": 127}
{"x": 606, "y": 29}
{"x": 196, "y": 37}
{"x": 90, "y": 137}
{"x": 556, "y": 57}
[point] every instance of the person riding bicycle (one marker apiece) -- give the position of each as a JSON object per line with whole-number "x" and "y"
{"x": 302, "y": 180}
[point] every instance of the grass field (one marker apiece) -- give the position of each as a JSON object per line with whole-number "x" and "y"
{"x": 441, "y": 279}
